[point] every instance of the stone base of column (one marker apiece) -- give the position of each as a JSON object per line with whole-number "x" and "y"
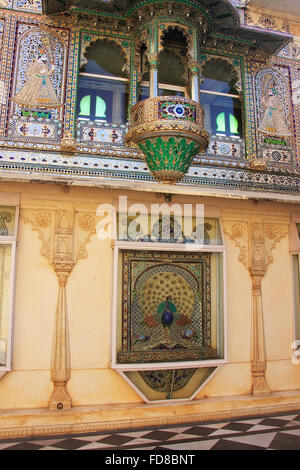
{"x": 60, "y": 398}
{"x": 259, "y": 385}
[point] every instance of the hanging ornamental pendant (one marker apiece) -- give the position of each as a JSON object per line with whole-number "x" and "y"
{"x": 169, "y": 130}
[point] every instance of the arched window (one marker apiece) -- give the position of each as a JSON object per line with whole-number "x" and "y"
{"x": 172, "y": 79}
{"x": 220, "y": 99}
{"x": 103, "y": 84}
{"x": 226, "y": 123}
{"x": 85, "y": 106}
{"x": 88, "y": 103}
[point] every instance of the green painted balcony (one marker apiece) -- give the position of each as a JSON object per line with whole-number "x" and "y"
{"x": 169, "y": 131}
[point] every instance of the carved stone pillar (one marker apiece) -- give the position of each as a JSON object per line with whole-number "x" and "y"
{"x": 256, "y": 241}
{"x": 63, "y": 262}
{"x": 64, "y": 235}
{"x": 258, "y": 355}
{"x": 60, "y": 360}
{"x": 257, "y": 271}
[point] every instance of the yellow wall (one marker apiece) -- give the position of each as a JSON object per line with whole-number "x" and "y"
{"x": 92, "y": 382}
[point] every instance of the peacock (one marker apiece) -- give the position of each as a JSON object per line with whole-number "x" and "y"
{"x": 166, "y": 314}
{"x": 189, "y": 334}
{"x": 141, "y": 338}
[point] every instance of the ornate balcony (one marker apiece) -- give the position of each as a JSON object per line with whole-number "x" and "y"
{"x": 169, "y": 130}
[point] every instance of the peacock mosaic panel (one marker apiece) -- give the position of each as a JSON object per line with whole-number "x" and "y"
{"x": 166, "y": 307}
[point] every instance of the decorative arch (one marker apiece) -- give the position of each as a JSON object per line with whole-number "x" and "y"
{"x": 235, "y": 74}
{"x": 122, "y": 45}
{"x": 187, "y": 32}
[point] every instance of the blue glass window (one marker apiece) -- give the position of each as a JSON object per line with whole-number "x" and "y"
{"x": 103, "y": 85}
{"x": 102, "y": 100}
{"x": 220, "y": 99}
{"x": 223, "y": 115}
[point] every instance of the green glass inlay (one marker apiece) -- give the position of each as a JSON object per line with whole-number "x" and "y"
{"x": 85, "y": 106}
{"x": 233, "y": 124}
{"x": 221, "y": 123}
{"x": 100, "y": 107}
{"x": 275, "y": 141}
{"x": 169, "y": 154}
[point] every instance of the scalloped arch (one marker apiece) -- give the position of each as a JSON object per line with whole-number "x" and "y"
{"x": 125, "y": 51}
{"x": 236, "y": 69}
{"x": 184, "y": 30}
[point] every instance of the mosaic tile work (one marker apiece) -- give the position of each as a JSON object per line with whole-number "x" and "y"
{"x": 226, "y": 147}
{"x": 38, "y": 83}
{"x": 275, "y": 432}
{"x": 108, "y": 164}
{"x": 16, "y": 23}
{"x": 94, "y": 133}
{"x": 33, "y": 6}
{"x": 166, "y": 308}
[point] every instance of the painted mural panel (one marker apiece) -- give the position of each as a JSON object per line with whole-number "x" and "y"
{"x": 274, "y": 119}
{"x": 38, "y": 87}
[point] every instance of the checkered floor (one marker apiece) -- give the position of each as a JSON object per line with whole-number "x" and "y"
{"x": 280, "y": 432}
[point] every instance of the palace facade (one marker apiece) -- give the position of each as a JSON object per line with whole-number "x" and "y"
{"x": 150, "y": 219}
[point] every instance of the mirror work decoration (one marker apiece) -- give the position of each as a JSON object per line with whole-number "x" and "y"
{"x": 168, "y": 52}
{"x": 38, "y": 88}
{"x": 170, "y": 132}
{"x": 274, "y": 129}
{"x": 170, "y": 384}
{"x": 166, "y": 307}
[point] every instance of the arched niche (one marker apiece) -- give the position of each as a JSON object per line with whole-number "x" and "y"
{"x": 172, "y": 56}
{"x": 166, "y": 60}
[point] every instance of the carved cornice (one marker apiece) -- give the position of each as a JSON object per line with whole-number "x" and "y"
{"x": 237, "y": 232}
{"x": 256, "y": 241}
{"x": 64, "y": 234}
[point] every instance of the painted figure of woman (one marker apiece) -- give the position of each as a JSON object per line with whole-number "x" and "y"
{"x": 38, "y": 90}
{"x": 273, "y": 121}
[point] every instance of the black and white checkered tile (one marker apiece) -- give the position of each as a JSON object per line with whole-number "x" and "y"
{"x": 280, "y": 432}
